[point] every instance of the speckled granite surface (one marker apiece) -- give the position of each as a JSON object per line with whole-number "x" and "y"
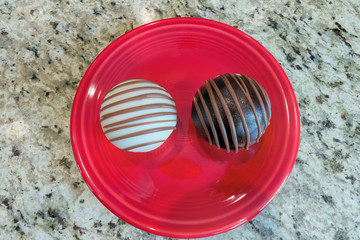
{"x": 45, "y": 48}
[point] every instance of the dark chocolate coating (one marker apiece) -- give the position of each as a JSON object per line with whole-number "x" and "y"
{"x": 232, "y": 111}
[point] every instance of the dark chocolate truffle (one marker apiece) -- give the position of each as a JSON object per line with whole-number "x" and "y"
{"x": 232, "y": 111}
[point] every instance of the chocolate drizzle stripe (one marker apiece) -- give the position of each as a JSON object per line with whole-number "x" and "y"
{"x": 208, "y": 115}
{"x": 238, "y": 107}
{"x": 242, "y": 76}
{"x": 138, "y": 108}
{"x": 198, "y": 111}
{"x": 251, "y": 142}
{"x": 252, "y": 82}
{"x": 142, "y": 145}
{"x": 129, "y": 82}
{"x": 227, "y": 113}
{"x": 267, "y": 106}
{"x": 234, "y": 77}
{"x": 150, "y": 115}
{"x": 253, "y": 107}
{"x": 218, "y": 115}
{"x": 248, "y": 97}
{"x": 139, "y": 97}
{"x": 143, "y": 132}
{"x": 136, "y": 125}
{"x": 131, "y": 90}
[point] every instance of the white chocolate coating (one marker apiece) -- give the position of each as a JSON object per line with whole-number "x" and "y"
{"x": 138, "y": 115}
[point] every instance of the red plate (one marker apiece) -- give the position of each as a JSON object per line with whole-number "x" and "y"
{"x": 186, "y": 188}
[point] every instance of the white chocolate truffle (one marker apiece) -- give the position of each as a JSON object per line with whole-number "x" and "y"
{"x": 138, "y": 115}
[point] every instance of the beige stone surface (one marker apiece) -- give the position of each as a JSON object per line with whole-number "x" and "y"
{"x": 46, "y": 47}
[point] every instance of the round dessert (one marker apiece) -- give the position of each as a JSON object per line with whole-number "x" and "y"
{"x": 138, "y": 115}
{"x": 232, "y": 111}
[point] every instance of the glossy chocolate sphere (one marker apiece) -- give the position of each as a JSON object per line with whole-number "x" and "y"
{"x": 232, "y": 111}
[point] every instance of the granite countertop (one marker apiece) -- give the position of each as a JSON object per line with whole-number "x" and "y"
{"x": 46, "y": 47}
